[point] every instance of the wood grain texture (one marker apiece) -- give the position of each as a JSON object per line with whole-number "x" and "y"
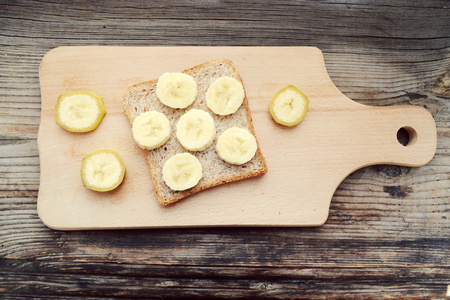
{"x": 388, "y": 231}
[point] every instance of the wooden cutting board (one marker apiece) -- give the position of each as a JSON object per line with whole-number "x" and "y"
{"x": 306, "y": 163}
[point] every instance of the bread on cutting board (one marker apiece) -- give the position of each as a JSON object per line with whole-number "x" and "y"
{"x": 142, "y": 97}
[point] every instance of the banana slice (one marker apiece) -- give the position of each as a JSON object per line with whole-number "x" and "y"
{"x": 102, "y": 170}
{"x": 196, "y": 130}
{"x": 79, "y": 111}
{"x": 182, "y": 171}
{"x": 225, "y": 95}
{"x": 236, "y": 146}
{"x": 289, "y": 105}
{"x": 151, "y": 130}
{"x": 176, "y": 90}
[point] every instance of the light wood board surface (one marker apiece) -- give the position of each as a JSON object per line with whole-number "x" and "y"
{"x": 306, "y": 163}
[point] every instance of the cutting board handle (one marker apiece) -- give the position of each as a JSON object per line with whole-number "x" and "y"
{"x": 399, "y": 135}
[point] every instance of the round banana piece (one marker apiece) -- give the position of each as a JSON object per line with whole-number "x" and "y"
{"x": 236, "y": 146}
{"x": 196, "y": 130}
{"x": 151, "y": 130}
{"x": 289, "y": 105}
{"x": 225, "y": 95}
{"x": 102, "y": 170}
{"x": 176, "y": 90}
{"x": 79, "y": 111}
{"x": 182, "y": 171}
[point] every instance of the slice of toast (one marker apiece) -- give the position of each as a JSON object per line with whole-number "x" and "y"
{"x": 142, "y": 97}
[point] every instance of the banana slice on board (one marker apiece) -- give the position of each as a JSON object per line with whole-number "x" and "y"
{"x": 196, "y": 130}
{"x": 80, "y": 111}
{"x": 289, "y": 105}
{"x": 102, "y": 170}
{"x": 225, "y": 95}
{"x": 182, "y": 171}
{"x": 151, "y": 130}
{"x": 236, "y": 146}
{"x": 176, "y": 90}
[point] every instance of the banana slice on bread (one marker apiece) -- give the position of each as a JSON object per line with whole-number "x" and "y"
{"x": 182, "y": 171}
{"x": 236, "y": 146}
{"x": 225, "y": 95}
{"x": 176, "y": 90}
{"x": 196, "y": 130}
{"x": 151, "y": 130}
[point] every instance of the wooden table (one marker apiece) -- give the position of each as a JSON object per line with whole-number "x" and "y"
{"x": 388, "y": 233}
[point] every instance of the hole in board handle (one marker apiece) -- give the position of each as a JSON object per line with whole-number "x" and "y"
{"x": 406, "y": 136}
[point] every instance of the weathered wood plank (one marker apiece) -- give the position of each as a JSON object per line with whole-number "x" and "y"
{"x": 235, "y": 22}
{"x": 22, "y": 266}
{"x": 164, "y": 288}
{"x": 72, "y": 279}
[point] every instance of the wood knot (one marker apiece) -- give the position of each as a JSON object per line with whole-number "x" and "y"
{"x": 263, "y": 286}
{"x": 398, "y": 191}
{"x": 443, "y": 84}
{"x": 414, "y": 96}
{"x": 391, "y": 171}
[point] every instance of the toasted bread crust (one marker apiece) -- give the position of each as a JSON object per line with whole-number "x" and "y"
{"x": 142, "y": 97}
